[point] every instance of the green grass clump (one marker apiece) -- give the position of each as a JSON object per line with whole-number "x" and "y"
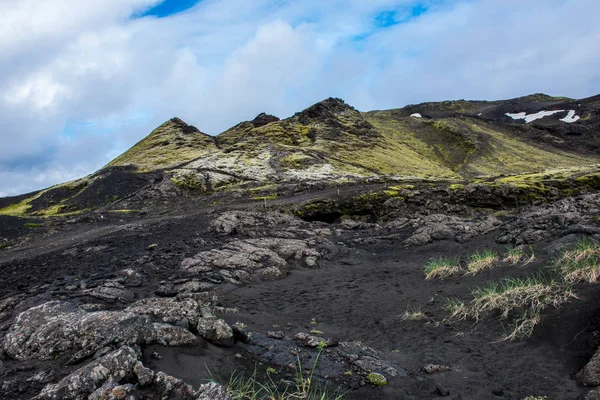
{"x": 241, "y": 387}
{"x": 33, "y": 225}
{"x": 582, "y": 263}
{"x": 413, "y": 314}
{"x": 521, "y": 299}
{"x": 441, "y": 267}
{"x": 479, "y": 261}
{"x": 516, "y": 254}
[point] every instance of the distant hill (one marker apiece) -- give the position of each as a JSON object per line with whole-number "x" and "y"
{"x": 331, "y": 142}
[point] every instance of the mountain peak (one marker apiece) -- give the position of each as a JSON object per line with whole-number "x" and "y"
{"x": 324, "y": 110}
{"x": 263, "y": 119}
{"x": 181, "y": 126}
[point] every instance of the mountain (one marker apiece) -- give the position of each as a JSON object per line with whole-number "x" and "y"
{"x": 332, "y": 142}
{"x": 334, "y": 254}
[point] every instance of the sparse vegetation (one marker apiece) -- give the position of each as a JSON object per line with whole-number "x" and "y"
{"x": 517, "y": 254}
{"x": 481, "y": 260}
{"x": 241, "y": 387}
{"x": 457, "y": 309}
{"x": 441, "y": 267}
{"x": 582, "y": 263}
{"x": 413, "y": 314}
{"x": 521, "y": 299}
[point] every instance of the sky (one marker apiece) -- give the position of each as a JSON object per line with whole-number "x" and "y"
{"x": 82, "y": 81}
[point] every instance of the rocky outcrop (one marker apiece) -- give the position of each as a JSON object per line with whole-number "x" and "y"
{"x": 110, "y": 377}
{"x": 566, "y": 216}
{"x": 590, "y": 374}
{"x": 351, "y": 362}
{"x": 444, "y": 227}
{"x": 57, "y": 328}
{"x": 244, "y": 260}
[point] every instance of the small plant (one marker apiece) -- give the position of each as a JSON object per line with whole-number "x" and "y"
{"x": 525, "y": 298}
{"x": 457, "y": 309}
{"x": 479, "y": 261}
{"x": 413, "y": 314}
{"x": 316, "y": 332}
{"x": 441, "y": 267}
{"x": 536, "y": 398}
{"x": 313, "y": 321}
{"x": 241, "y": 387}
{"x": 517, "y": 254}
{"x": 582, "y": 263}
{"x": 33, "y": 225}
{"x": 522, "y": 299}
{"x": 321, "y": 345}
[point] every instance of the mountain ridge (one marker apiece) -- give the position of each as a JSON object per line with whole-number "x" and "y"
{"x": 331, "y": 141}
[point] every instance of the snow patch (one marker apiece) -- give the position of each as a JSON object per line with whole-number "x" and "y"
{"x": 416, "y": 115}
{"x": 532, "y": 117}
{"x": 571, "y": 117}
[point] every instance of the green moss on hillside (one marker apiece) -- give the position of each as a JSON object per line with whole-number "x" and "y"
{"x": 171, "y": 144}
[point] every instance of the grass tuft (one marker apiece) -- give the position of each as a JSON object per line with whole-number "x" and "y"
{"x": 521, "y": 299}
{"x": 413, "y": 314}
{"x": 479, "y": 261}
{"x": 517, "y": 254}
{"x": 582, "y": 263}
{"x": 242, "y": 387}
{"x": 457, "y": 309}
{"x": 441, "y": 268}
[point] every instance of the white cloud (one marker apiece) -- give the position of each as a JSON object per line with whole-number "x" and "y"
{"x": 69, "y": 62}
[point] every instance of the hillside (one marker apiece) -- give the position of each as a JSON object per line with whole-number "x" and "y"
{"x": 332, "y": 142}
{"x": 436, "y": 250}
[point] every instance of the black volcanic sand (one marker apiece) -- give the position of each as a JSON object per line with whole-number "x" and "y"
{"x": 357, "y": 295}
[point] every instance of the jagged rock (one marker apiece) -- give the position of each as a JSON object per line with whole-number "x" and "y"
{"x": 246, "y": 222}
{"x": 590, "y": 374}
{"x": 443, "y": 227}
{"x": 358, "y": 225}
{"x": 7, "y": 306}
{"x": 592, "y": 395}
{"x": 181, "y": 311}
{"x": 212, "y": 391}
{"x": 170, "y": 387}
{"x": 433, "y": 368}
{"x": 266, "y": 256}
{"x": 216, "y": 330}
{"x": 263, "y": 119}
{"x": 54, "y": 328}
{"x": 240, "y": 332}
{"x": 314, "y": 341}
{"x": 168, "y": 335}
{"x": 131, "y": 278}
{"x": 567, "y": 216}
{"x": 144, "y": 375}
{"x": 111, "y": 292}
{"x": 115, "y": 366}
{"x": 112, "y": 391}
{"x": 418, "y": 239}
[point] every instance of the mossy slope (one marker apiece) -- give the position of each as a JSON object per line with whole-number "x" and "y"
{"x": 171, "y": 144}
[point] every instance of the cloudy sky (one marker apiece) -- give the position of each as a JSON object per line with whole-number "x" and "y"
{"x": 81, "y": 81}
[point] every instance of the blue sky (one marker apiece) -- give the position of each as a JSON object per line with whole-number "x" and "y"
{"x": 169, "y": 7}
{"x": 80, "y": 82}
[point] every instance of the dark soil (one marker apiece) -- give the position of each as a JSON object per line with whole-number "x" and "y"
{"x": 359, "y": 294}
